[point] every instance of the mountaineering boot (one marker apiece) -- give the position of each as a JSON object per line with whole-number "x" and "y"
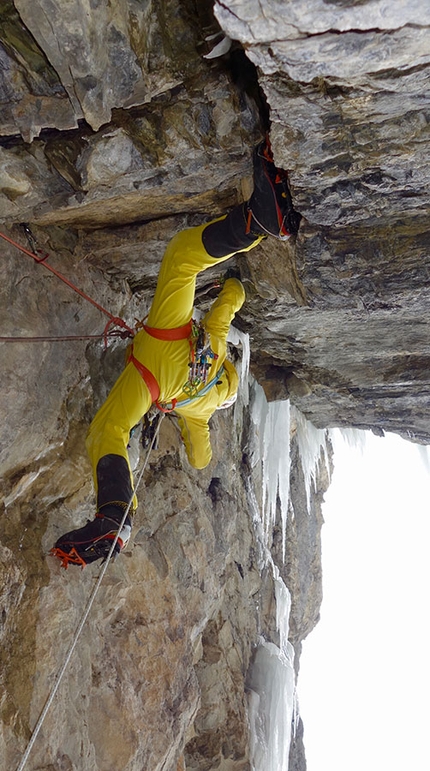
{"x": 269, "y": 211}
{"x": 270, "y": 208}
{"x": 93, "y": 541}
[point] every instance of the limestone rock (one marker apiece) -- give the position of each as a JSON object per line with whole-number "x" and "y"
{"x": 117, "y": 132}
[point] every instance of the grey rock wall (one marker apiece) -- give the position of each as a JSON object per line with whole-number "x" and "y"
{"x": 163, "y": 659}
{"x": 348, "y": 88}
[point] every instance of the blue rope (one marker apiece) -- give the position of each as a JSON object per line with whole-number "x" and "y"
{"x": 203, "y": 392}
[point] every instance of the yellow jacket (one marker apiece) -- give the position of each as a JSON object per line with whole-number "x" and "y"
{"x": 168, "y": 361}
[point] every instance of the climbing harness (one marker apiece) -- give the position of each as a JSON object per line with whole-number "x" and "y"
{"x": 113, "y": 320}
{"x": 85, "y": 614}
{"x": 178, "y": 333}
{"x": 201, "y": 358}
{"x": 146, "y": 375}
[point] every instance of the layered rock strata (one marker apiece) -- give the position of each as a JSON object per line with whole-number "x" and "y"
{"x": 116, "y": 132}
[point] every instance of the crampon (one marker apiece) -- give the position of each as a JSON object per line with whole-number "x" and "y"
{"x": 91, "y": 542}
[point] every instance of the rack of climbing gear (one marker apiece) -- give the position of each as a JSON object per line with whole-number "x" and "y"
{"x": 42, "y": 258}
{"x": 178, "y": 403}
{"x": 201, "y": 359}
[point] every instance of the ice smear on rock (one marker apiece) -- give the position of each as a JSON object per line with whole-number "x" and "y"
{"x": 238, "y": 338}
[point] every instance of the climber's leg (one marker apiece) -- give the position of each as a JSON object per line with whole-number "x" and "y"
{"x": 269, "y": 211}
{"x": 109, "y": 434}
{"x": 107, "y": 444}
{"x": 185, "y": 257}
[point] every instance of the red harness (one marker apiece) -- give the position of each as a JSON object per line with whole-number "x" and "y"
{"x": 178, "y": 333}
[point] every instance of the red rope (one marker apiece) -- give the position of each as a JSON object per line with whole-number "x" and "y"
{"x": 42, "y": 260}
{"x": 53, "y": 339}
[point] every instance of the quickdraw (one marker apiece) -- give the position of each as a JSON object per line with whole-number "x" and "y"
{"x": 149, "y": 429}
{"x": 177, "y": 404}
{"x": 201, "y": 358}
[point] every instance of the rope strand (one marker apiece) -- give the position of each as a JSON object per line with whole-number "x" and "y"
{"x": 42, "y": 260}
{"x": 62, "y": 338}
{"x": 52, "y": 339}
{"x": 85, "y": 614}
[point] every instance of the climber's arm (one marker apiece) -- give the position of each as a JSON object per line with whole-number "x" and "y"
{"x": 231, "y": 298}
{"x": 195, "y": 435}
{"x": 195, "y": 428}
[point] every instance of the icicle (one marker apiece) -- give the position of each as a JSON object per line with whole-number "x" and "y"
{"x": 424, "y": 453}
{"x": 283, "y": 608}
{"x": 311, "y": 442}
{"x": 276, "y": 466}
{"x": 354, "y": 437}
{"x": 272, "y": 427}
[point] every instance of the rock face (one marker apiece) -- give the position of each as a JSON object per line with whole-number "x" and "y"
{"x": 348, "y": 91}
{"x": 116, "y": 132}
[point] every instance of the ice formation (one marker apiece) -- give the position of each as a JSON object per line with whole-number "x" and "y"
{"x": 272, "y": 694}
{"x": 354, "y": 437}
{"x": 272, "y": 436}
{"x": 311, "y": 442}
{"x": 424, "y": 453}
{"x": 272, "y": 680}
{"x": 272, "y": 697}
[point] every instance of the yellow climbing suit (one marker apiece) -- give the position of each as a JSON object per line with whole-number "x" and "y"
{"x": 167, "y": 360}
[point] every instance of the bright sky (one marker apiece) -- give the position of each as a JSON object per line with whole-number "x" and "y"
{"x": 364, "y": 682}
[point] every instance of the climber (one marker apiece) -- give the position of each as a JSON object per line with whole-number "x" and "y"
{"x": 159, "y": 362}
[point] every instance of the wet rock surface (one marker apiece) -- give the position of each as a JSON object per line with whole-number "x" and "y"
{"x": 116, "y": 132}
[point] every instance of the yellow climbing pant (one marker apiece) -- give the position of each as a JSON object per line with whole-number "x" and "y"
{"x": 130, "y": 399}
